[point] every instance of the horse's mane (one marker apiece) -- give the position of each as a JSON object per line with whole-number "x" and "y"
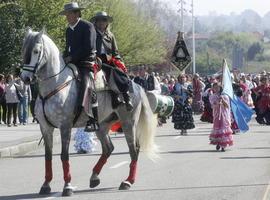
{"x": 29, "y": 42}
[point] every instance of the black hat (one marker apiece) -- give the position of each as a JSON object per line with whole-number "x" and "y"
{"x": 101, "y": 15}
{"x": 70, "y": 7}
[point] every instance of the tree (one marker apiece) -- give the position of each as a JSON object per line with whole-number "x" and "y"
{"x": 140, "y": 40}
{"x": 11, "y": 34}
{"x": 253, "y": 50}
{"x": 40, "y": 14}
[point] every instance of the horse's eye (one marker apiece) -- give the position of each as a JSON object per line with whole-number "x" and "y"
{"x": 35, "y": 51}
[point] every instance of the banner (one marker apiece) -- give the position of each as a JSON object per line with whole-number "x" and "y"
{"x": 180, "y": 56}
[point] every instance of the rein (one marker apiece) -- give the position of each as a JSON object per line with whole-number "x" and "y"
{"x": 43, "y": 99}
{"x": 54, "y": 74}
{"x": 58, "y": 89}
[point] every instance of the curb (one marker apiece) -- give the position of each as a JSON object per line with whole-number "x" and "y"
{"x": 25, "y": 147}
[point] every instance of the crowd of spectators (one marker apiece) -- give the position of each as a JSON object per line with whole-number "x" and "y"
{"x": 16, "y": 100}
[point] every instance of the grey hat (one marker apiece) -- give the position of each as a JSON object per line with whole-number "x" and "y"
{"x": 70, "y": 7}
{"x": 101, "y": 15}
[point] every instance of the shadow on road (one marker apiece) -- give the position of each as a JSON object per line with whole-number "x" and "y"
{"x": 55, "y": 194}
{"x": 246, "y": 157}
{"x": 70, "y": 155}
{"x": 115, "y": 190}
{"x": 25, "y": 196}
{"x": 198, "y": 133}
{"x": 171, "y": 135}
{"x": 261, "y": 132}
{"x": 256, "y": 148}
{"x": 190, "y": 151}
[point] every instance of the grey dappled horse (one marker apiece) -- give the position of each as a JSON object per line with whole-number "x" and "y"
{"x": 56, "y": 104}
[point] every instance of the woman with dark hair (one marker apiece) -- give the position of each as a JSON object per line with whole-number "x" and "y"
{"x": 221, "y": 134}
{"x": 182, "y": 114}
{"x": 12, "y": 100}
{"x": 198, "y": 87}
{"x": 262, "y": 103}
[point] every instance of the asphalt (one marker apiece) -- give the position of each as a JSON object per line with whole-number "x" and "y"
{"x": 20, "y": 140}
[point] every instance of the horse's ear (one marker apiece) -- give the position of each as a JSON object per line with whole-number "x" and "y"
{"x": 43, "y": 30}
{"x": 28, "y": 30}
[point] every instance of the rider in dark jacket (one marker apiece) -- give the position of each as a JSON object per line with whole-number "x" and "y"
{"x": 80, "y": 50}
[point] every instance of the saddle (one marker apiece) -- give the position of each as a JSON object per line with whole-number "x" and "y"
{"x": 99, "y": 79}
{"x": 116, "y": 82}
{"x": 89, "y": 99}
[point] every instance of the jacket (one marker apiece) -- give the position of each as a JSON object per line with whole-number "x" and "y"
{"x": 81, "y": 43}
{"x": 107, "y": 40}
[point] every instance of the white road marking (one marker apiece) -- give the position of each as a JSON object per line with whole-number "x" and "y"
{"x": 266, "y": 195}
{"x": 177, "y": 137}
{"x": 58, "y": 194}
{"x": 119, "y": 165}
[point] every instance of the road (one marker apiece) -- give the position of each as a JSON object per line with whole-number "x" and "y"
{"x": 188, "y": 169}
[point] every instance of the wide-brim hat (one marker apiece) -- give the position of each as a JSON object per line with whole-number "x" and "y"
{"x": 101, "y": 15}
{"x": 70, "y": 7}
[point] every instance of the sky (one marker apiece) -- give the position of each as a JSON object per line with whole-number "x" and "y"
{"x": 204, "y": 7}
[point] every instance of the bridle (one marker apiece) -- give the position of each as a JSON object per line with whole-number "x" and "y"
{"x": 33, "y": 68}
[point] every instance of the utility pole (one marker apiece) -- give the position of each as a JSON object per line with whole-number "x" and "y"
{"x": 193, "y": 39}
{"x": 182, "y": 10}
{"x": 182, "y": 15}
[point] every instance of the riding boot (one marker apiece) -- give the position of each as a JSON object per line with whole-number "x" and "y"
{"x": 115, "y": 100}
{"x": 128, "y": 102}
{"x": 92, "y": 124}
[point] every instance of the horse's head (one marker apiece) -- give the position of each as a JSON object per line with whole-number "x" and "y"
{"x": 33, "y": 53}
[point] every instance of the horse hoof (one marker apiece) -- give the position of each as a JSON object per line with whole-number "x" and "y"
{"x": 67, "y": 192}
{"x": 44, "y": 190}
{"x": 94, "y": 183}
{"x": 125, "y": 185}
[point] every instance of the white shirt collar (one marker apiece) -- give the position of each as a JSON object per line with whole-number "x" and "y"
{"x": 72, "y": 27}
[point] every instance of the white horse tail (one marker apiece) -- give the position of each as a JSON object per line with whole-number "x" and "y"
{"x": 146, "y": 129}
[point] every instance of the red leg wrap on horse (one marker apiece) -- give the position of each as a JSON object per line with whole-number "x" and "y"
{"x": 67, "y": 176}
{"x": 102, "y": 160}
{"x": 132, "y": 171}
{"x": 48, "y": 171}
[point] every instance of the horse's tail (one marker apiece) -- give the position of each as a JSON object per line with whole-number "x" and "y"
{"x": 146, "y": 129}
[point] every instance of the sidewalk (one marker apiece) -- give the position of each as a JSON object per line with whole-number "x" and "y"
{"x": 21, "y": 139}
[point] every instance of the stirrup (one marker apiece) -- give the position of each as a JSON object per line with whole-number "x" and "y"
{"x": 115, "y": 103}
{"x": 129, "y": 106}
{"x": 91, "y": 127}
